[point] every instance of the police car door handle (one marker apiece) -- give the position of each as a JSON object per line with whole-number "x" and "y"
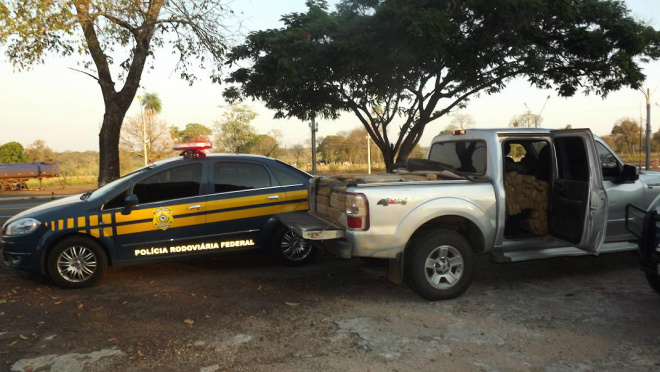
{"x": 274, "y": 197}
{"x": 196, "y": 206}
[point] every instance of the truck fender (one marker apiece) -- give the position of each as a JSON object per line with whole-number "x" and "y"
{"x": 655, "y": 204}
{"x": 485, "y": 221}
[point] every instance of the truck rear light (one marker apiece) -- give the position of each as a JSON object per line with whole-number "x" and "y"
{"x": 357, "y": 212}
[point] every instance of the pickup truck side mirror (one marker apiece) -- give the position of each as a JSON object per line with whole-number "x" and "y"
{"x": 629, "y": 173}
{"x": 129, "y": 202}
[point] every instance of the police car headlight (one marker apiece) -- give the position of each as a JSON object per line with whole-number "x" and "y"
{"x": 23, "y": 226}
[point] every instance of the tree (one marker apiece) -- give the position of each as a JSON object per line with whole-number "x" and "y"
{"x": 13, "y": 152}
{"x": 234, "y": 132}
{"x": 298, "y": 151}
{"x": 626, "y": 135}
{"x": 418, "y": 60}
{"x": 462, "y": 121}
{"x": 267, "y": 144}
{"x": 158, "y": 140}
{"x": 194, "y": 132}
{"x": 526, "y": 120}
{"x": 102, "y": 32}
{"x": 38, "y": 151}
{"x": 333, "y": 148}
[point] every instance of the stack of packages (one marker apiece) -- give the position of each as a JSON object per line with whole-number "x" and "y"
{"x": 527, "y": 192}
{"x": 331, "y": 198}
{"x": 331, "y": 190}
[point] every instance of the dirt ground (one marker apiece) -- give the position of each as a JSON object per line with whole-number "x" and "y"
{"x": 243, "y": 313}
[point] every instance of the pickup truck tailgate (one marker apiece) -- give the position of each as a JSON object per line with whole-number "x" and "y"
{"x": 311, "y": 225}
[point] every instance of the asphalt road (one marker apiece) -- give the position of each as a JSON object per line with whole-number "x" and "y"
{"x": 241, "y": 312}
{"x": 11, "y": 206}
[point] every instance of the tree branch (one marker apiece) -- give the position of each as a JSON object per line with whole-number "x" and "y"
{"x": 84, "y": 72}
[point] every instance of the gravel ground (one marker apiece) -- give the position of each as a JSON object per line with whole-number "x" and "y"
{"x": 242, "y": 313}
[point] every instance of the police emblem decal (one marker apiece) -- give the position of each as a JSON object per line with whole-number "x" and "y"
{"x": 163, "y": 218}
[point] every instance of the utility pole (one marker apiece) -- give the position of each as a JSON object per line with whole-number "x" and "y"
{"x": 640, "y": 136}
{"x": 144, "y": 132}
{"x": 536, "y": 117}
{"x": 368, "y": 155}
{"x": 314, "y": 128}
{"x": 647, "y": 94}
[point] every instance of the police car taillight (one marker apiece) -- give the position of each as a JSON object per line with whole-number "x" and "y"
{"x": 357, "y": 212}
{"x": 193, "y": 150}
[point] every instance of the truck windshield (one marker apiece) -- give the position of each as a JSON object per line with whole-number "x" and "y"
{"x": 462, "y": 156}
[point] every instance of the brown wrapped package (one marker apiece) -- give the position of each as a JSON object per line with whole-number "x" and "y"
{"x": 322, "y": 199}
{"x": 324, "y": 190}
{"x": 526, "y": 192}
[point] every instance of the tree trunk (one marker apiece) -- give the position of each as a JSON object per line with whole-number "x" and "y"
{"x": 109, "y": 142}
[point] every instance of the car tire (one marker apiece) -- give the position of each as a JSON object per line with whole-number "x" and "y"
{"x": 654, "y": 281}
{"x": 77, "y": 262}
{"x": 439, "y": 265}
{"x": 290, "y": 249}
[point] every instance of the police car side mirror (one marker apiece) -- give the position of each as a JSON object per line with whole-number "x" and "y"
{"x": 130, "y": 201}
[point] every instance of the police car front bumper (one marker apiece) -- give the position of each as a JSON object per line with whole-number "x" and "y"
{"x": 16, "y": 257}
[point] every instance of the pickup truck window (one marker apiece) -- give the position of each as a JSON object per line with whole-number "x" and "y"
{"x": 572, "y": 161}
{"x": 608, "y": 162}
{"x": 462, "y": 156}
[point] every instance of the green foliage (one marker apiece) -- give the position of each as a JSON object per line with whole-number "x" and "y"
{"x": 194, "y": 132}
{"x": 626, "y": 135}
{"x": 234, "y": 132}
{"x": 13, "y": 152}
{"x": 417, "y": 60}
{"x": 151, "y": 104}
{"x": 38, "y": 151}
{"x": 192, "y": 30}
{"x": 78, "y": 163}
{"x": 100, "y": 31}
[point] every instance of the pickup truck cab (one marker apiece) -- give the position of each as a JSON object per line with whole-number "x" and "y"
{"x": 514, "y": 194}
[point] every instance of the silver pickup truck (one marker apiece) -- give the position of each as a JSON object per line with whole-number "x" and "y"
{"x": 515, "y": 194}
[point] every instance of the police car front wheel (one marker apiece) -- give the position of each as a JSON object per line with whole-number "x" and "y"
{"x": 77, "y": 262}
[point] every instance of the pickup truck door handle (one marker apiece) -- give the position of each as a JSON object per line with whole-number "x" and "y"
{"x": 196, "y": 206}
{"x": 274, "y": 197}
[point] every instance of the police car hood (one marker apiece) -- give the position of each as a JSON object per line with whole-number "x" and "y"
{"x": 43, "y": 209}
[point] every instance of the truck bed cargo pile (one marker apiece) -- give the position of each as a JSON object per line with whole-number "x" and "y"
{"x": 525, "y": 192}
{"x": 331, "y": 190}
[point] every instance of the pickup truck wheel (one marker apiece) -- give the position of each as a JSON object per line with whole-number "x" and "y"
{"x": 291, "y": 249}
{"x": 77, "y": 262}
{"x": 440, "y": 265}
{"x": 654, "y": 281}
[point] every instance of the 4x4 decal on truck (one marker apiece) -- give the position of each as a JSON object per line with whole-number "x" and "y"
{"x": 387, "y": 201}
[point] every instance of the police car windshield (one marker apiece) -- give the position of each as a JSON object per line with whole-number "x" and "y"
{"x": 110, "y": 186}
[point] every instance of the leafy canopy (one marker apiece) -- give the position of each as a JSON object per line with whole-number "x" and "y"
{"x": 191, "y": 30}
{"x": 408, "y": 63}
{"x": 13, "y": 152}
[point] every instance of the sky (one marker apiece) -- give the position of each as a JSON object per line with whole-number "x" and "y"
{"x": 65, "y": 108}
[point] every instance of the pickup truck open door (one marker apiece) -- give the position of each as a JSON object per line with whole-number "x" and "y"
{"x": 578, "y": 202}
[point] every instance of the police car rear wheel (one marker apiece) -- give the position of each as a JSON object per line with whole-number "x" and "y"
{"x": 290, "y": 249}
{"x": 77, "y": 262}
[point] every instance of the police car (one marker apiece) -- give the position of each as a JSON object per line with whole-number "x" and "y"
{"x": 188, "y": 206}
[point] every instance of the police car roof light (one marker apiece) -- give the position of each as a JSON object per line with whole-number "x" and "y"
{"x": 193, "y": 150}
